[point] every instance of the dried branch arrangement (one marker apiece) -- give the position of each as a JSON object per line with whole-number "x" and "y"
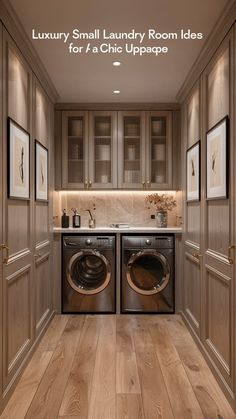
{"x": 162, "y": 202}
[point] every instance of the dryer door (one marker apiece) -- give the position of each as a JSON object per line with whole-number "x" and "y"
{"x": 148, "y": 272}
{"x": 88, "y": 272}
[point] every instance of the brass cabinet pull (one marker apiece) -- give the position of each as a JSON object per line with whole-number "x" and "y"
{"x": 148, "y": 182}
{"x": 197, "y": 255}
{"x": 230, "y": 259}
{"x": 37, "y": 255}
{"x": 90, "y": 183}
{"x": 4, "y": 247}
{"x": 143, "y": 183}
{"x": 86, "y": 183}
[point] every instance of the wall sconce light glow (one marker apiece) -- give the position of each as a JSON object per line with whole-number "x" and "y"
{"x": 116, "y": 92}
{"x": 116, "y": 63}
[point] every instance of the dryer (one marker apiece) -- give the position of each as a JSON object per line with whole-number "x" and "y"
{"x": 147, "y": 284}
{"x": 88, "y": 274}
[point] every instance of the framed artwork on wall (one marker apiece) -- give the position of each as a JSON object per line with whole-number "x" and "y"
{"x": 217, "y": 160}
{"x": 18, "y": 161}
{"x": 193, "y": 173}
{"x": 41, "y": 172}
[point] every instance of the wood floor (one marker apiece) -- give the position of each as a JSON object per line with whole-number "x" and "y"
{"x": 123, "y": 367}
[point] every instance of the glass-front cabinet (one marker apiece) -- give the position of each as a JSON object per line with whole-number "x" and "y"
{"x": 159, "y": 150}
{"x": 117, "y": 149}
{"x": 74, "y": 149}
{"x": 103, "y": 150}
{"x": 131, "y": 150}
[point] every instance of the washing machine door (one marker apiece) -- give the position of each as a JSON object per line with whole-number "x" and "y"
{"x": 88, "y": 272}
{"x": 148, "y": 272}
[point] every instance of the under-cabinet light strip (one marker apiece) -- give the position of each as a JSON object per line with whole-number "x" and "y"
{"x": 116, "y": 192}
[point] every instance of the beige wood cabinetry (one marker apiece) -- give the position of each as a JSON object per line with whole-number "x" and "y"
{"x": 18, "y": 332}
{"x": 209, "y": 278}
{"x": 192, "y": 237}
{"x": 74, "y": 150}
{"x": 25, "y": 280}
{"x": 218, "y": 273}
{"x": 115, "y": 149}
{"x": 102, "y": 161}
{"x": 131, "y": 146}
{"x": 159, "y": 159}
{"x": 42, "y": 128}
{"x": 1, "y": 218}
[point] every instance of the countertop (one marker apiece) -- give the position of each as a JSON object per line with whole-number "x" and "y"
{"x": 175, "y": 230}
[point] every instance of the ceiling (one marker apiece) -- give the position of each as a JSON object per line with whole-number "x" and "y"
{"x": 92, "y": 77}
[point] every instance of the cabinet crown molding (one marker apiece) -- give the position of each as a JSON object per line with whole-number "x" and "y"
{"x": 117, "y": 106}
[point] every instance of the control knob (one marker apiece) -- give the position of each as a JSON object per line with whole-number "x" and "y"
{"x": 88, "y": 242}
{"x": 148, "y": 242}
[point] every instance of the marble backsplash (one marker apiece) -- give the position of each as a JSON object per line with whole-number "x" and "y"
{"x": 112, "y": 207}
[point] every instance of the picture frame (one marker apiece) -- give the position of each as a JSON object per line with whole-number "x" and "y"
{"x": 41, "y": 172}
{"x": 18, "y": 161}
{"x": 217, "y": 160}
{"x": 193, "y": 172}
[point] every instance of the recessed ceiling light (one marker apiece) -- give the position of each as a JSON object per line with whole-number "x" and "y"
{"x": 116, "y": 63}
{"x": 116, "y": 92}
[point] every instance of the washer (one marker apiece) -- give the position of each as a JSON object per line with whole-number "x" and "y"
{"x": 88, "y": 281}
{"x": 147, "y": 284}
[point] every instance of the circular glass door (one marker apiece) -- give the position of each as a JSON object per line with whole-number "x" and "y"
{"x": 88, "y": 272}
{"x": 148, "y": 273}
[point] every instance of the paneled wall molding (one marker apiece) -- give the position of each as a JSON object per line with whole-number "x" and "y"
{"x": 222, "y": 27}
{"x": 15, "y": 28}
{"x": 27, "y": 279}
{"x": 209, "y": 284}
{"x": 195, "y": 246}
{"x": 226, "y": 388}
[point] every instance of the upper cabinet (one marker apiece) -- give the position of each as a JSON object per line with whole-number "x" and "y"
{"x": 102, "y": 162}
{"x": 74, "y": 150}
{"x": 131, "y": 145}
{"x": 159, "y": 150}
{"x": 116, "y": 149}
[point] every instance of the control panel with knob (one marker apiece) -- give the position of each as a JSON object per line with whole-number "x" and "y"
{"x": 148, "y": 242}
{"x": 88, "y": 242}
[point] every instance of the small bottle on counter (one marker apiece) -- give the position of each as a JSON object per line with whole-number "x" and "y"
{"x": 64, "y": 220}
{"x": 75, "y": 218}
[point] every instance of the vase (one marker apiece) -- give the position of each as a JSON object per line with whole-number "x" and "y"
{"x": 161, "y": 219}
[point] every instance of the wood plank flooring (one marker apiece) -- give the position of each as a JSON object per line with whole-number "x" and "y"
{"x": 117, "y": 367}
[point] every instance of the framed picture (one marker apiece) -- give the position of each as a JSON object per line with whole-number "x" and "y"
{"x": 41, "y": 172}
{"x": 18, "y": 161}
{"x": 193, "y": 173}
{"x": 217, "y": 164}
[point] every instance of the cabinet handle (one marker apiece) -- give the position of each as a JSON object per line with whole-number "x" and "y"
{"x": 90, "y": 183}
{"x": 143, "y": 183}
{"x": 37, "y": 255}
{"x": 6, "y": 259}
{"x": 230, "y": 259}
{"x": 197, "y": 255}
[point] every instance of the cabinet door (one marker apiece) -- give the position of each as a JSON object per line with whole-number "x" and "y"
{"x": 219, "y": 216}
{"x": 42, "y": 128}
{"x": 131, "y": 150}
{"x": 159, "y": 150}
{"x": 103, "y": 150}
{"x": 17, "y": 288}
{"x": 1, "y": 216}
{"x": 191, "y": 260}
{"x": 74, "y": 150}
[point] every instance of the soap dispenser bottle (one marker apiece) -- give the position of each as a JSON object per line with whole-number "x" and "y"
{"x": 75, "y": 218}
{"x": 64, "y": 220}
